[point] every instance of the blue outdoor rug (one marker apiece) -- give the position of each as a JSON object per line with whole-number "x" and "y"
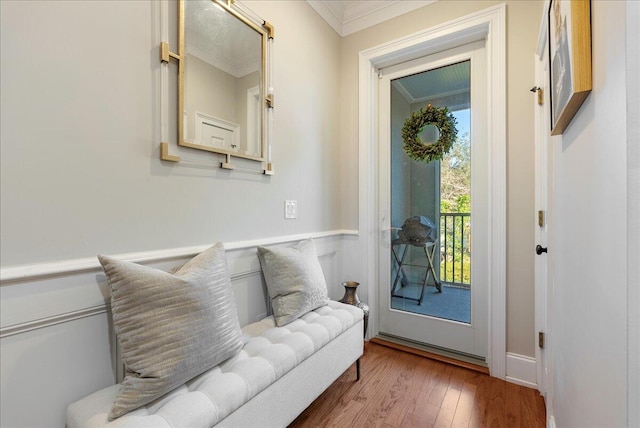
{"x": 452, "y": 304}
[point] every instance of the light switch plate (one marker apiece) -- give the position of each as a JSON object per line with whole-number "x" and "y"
{"x": 290, "y": 209}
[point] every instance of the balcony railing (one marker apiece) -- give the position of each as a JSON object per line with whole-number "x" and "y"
{"x": 455, "y": 248}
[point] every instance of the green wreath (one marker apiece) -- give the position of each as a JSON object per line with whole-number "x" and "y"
{"x": 413, "y": 126}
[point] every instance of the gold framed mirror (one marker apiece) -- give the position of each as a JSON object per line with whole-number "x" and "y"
{"x": 224, "y": 94}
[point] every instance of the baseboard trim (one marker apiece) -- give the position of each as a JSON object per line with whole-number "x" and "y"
{"x": 521, "y": 370}
{"x": 65, "y": 267}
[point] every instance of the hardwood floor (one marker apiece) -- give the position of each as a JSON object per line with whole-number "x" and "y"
{"x": 398, "y": 389}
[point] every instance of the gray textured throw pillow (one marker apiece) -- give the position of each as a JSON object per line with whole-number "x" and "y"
{"x": 295, "y": 281}
{"x": 171, "y": 327}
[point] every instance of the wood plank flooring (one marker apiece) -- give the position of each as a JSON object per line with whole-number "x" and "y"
{"x": 398, "y": 389}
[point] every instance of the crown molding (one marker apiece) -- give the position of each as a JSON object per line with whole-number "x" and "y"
{"x": 347, "y": 17}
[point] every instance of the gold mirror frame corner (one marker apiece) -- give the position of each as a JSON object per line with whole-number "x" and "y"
{"x": 266, "y": 31}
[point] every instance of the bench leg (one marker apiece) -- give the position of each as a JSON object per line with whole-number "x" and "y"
{"x": 358, "y": 369}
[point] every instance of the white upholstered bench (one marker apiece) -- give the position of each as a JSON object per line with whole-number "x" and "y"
{"x": 276, "y": 375}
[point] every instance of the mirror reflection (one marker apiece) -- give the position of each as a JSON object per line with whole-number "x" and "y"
{"x": 223, "y": 81}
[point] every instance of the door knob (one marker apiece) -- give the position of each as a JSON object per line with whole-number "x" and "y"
{"x": 540, "y": 249}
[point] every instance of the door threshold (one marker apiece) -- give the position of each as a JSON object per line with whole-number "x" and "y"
{"x": 438, "y": 354}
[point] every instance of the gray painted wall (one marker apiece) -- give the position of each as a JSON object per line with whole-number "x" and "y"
{"x": 81, "y": 171}
{"x": 81, "y": 174}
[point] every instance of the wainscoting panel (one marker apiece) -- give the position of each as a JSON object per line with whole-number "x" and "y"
{"x": 49, "y": 299}
{"x": 56, "y": 341}
{"x": 45, "y": 369}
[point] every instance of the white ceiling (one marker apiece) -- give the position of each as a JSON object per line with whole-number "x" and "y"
{"x": 214, "y": 36}
{"x": 349, "y": 16}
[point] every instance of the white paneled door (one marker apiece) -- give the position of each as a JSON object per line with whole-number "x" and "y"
{"x": 456, "y": 318}
{"x": 543, "y": 227}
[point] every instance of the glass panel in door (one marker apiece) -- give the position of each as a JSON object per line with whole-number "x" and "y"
{"x": 431, "y": 201}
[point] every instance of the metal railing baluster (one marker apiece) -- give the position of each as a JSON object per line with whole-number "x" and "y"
{"x": 453, "y": 228}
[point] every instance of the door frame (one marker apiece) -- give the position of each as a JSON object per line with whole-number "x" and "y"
{"x": 488, "y": 25}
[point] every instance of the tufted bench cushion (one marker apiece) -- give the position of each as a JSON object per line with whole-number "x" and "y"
{"x": 268, "y": 353}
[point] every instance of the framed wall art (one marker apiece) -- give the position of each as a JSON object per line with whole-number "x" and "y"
{"x": 569, "y": 59}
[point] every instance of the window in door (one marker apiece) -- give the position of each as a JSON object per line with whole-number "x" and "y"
{"x": 432, "y": 277}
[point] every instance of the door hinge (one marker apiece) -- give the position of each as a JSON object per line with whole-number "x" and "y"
{"x": 541, "y": 218}
{"x": 540, "y": 97}
{"x": 540, "y": 94}
{"x": 541, "y": 339}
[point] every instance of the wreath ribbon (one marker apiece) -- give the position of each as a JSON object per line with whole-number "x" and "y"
{"x": 429, "y": 115}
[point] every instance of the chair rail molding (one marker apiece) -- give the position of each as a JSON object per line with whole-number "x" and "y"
{"x": 13, "y": 274}
{"x": 45, "y": 294}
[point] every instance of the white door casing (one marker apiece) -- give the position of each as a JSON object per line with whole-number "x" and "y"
{"x": 489, "y": 25}
{"x": 470, "y": 338}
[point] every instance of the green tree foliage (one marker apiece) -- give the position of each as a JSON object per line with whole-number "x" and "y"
{"x": 455, "y": 177}
{"x": 455, "y": 197}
